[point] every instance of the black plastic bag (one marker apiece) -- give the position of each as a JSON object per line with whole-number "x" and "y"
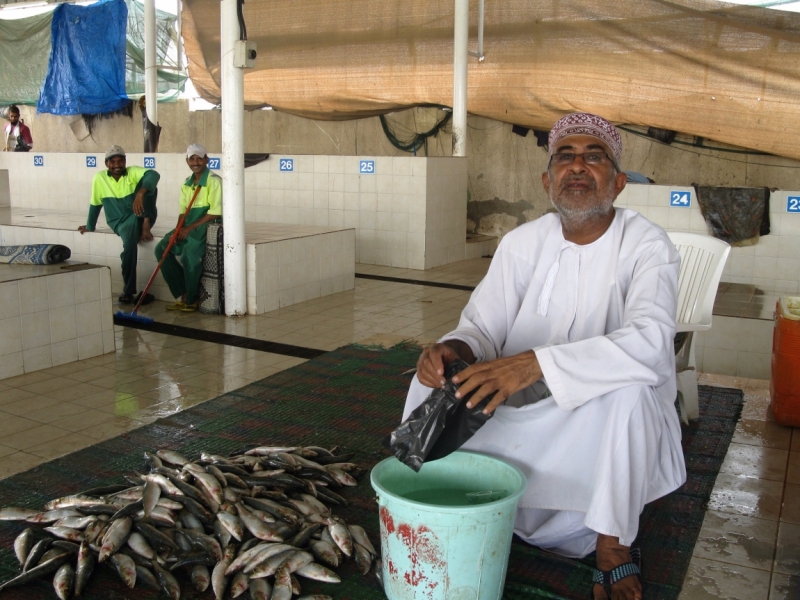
{"x": 438, "y": 426}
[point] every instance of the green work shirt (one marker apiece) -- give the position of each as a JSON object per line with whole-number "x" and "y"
{"x": 209, "y": 198}
{"x": 116, "y": 197}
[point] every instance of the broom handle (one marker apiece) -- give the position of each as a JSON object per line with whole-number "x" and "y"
{"x": 171, "y": 243}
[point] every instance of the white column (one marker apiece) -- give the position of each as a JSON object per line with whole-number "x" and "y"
{"x": 233, "y": 165}
{"x": 150, "y": 72}
{"x": 460, "y": 53}
{"x": 179, "y": 33}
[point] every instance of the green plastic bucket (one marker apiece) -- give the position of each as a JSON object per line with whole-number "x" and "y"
{"x": 446, "y": 531}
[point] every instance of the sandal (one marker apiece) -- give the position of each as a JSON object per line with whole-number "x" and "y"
{"x": 609, "y": 578}
{"x": 148, "y": 298}
{"x": 125, "y": 299}
{"x": 176, "y": 306}
{"x": 190, "y": 307}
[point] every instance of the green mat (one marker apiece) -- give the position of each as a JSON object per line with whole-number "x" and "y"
{"x": 352, "y": 397}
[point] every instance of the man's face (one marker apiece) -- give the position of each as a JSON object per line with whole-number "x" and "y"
{"x": 13, "y": 117}
{"x": 197, "y": 164}
{"x": 582, "y": 192}
{"x": 116, "y": 164}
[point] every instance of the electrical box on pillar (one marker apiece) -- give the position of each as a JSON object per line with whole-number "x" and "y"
{"x": 244, "y": 54}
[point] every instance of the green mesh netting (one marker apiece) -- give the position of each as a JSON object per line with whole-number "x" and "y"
{"x": 25, "y": 52}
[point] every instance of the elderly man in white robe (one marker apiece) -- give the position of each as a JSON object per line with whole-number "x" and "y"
{"x": 572, "y": 329}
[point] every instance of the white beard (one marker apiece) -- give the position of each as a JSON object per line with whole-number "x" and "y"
{"x": 579, "y": 209}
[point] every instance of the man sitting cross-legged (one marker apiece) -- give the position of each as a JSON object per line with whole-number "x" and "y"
{"x": 573, "y": 328}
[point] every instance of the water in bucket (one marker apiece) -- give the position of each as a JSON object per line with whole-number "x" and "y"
{"x": 446, "y": 531}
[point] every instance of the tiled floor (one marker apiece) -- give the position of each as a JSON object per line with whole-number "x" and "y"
{"x": 749, "y": 548}
{"x": 744, "y": 300}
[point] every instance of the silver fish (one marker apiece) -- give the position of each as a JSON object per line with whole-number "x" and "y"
{"x": 168, "y": 504}
{"x": 321, "y": 508}
{"x": 219, "y": 581}
{"x": 223, "y": 535}
{"x": 360, "y": 537}
{"x": 68, "y": 502}
{"x": 282, "y": 590}
{"x": 259, "y": 561}
{"x": 363, "y": 558}
{"x": 245, "y": 557}
{"x": 51, "y": 516}
{"x": 165, "y": 484}
{"x": 341, "y": 536}
{"x": 169, "y": 585}
{"x": 239, "y": 584}
{"x": 201, "y": 578}
{"x": 325, "y": 552}
{"x": 115, "y": 536}
{"x": 232, "y": 524}
{"x": 150, "y": 495}
{"x": 341, "y": 477}
{"x": 257, "y": 527}
{"x": 267, "y": 450}
{"x": 86, "y": 562}
{"x": 75, "y": 522}
{"x": 65, "y": 533}
{"x": 317, "y": 572}
{"x": 292, "y": 560}
{"x": 139, "y": 544}
{"x": 260, "y": 589}
{"x": 62, "y": 582}
{"x": 296, "y": 589}
{"x": 209, "y": 484}
{"x": 16, "y": 514}
{"x": 145, "y": 577}
{"x": 23, "y": 544}
{"x": 93, "y": 530}
{"x": 189, "y": 521}
{"x": 172, "y": 457}
{"x": 125, "y": 567}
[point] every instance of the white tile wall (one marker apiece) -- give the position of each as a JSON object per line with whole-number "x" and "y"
{"x": 410, "y": 212}
{"x": 773, "y": 264}
{"x": 54, "y": 319}
{"x": 735, "y": 346}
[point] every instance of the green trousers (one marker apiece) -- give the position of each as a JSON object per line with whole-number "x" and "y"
{"x": 129, "y": 228}
{"x": 184, "y": 277}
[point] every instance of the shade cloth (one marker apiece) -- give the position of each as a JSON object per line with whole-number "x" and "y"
{"x": 723, "y": 72}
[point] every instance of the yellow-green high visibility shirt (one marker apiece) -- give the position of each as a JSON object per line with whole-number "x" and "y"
{"x": 116, "y": 197}
{"x": 209, "y": 196}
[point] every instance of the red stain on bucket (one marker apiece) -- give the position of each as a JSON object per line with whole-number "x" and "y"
{"x": 386, "y": 519}
{"x": 425, "y": 555}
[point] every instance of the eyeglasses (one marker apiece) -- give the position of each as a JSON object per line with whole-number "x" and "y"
{"x": 595, "y": 157}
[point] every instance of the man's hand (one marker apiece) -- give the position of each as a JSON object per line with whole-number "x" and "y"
{"x": 83, "y": 229}
{"x": 505, "y": 376}
{"x": 184, "y": 232}
{"x": 434, "y": 359}
{"x": 138, "y": 202}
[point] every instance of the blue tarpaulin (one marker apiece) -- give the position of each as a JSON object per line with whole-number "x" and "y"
{"x": 86, "y": 74}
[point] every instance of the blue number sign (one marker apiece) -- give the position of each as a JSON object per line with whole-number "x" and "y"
{"x": 286, "y": 164}
{"x": 366, "y": 166}
{"x": 38, "y": 160}
{"x": 682, "y": 199}
{"x": 213, "y": 164}
{"x": 793, "y": 204}
{"x": 149, "y": 162}
{"x": 91, "y": 161}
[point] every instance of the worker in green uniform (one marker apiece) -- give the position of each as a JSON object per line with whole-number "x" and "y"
{"x": 183, "y": 278}
{"x": 128, "y": 195}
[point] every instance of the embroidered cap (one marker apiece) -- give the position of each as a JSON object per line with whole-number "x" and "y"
{"x": 196, "y": 150}
{"x": 115, "y": 151}
{"x": 586, "y": 124}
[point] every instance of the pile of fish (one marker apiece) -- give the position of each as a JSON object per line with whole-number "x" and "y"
{"x": 258, "y": 520}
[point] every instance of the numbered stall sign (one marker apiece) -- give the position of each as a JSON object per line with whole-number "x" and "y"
{"x": 149, "y": 162}
{"x": 366, "y": 167}
{"x": 793, "y": 204}
{"x": 286, "y": 164}
{"x": 681, "y": 199}
{"x": 91, "y": 161}
{"x": 38, "y": 160}
{"x": 213, "y": 164}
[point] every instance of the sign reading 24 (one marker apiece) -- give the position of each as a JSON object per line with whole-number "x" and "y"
{"x": 681, "y": 199}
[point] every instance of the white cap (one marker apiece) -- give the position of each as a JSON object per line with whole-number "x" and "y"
{"x": 196, "y": 150}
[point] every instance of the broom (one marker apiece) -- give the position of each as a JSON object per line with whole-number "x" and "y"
{"x": 133, "y": 316}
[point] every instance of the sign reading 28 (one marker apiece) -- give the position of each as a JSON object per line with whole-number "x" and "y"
{"x": 149, "y": 162}
{"x": 793, "y": 204}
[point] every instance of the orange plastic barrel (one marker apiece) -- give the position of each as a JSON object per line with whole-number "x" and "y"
{"x": 785, "y": 385}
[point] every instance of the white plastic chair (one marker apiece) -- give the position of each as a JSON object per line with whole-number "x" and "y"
{"x": 702, "y": 261}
